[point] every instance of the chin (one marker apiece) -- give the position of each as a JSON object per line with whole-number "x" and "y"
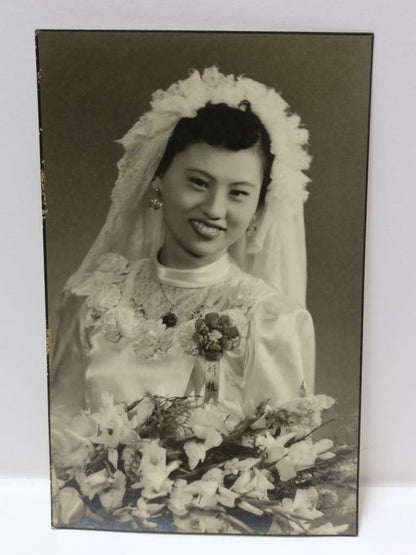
{"x": 201, "y": 252}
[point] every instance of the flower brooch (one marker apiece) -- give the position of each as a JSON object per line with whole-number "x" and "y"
{"x": 215, "y": 334}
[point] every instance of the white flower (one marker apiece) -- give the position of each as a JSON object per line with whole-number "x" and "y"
{"x": 235, "y": 466}
{"x": 199, "y": 494}
{"x": 143, "y": 511}
{"x": 203, "y": 493}
{"x": 274, "y": 447}
{"x": 184, "y": 340}
{"x": 328, "y": 529}
{"x": 302, "y": 454}
{"x": 226, "y": 497}
{"x": 112, "y": 497}
{"x": 109, "y": 487}
{"x": 303, "y": 505}
{"x": 71, "y": 507}
{"x": 71, "y": 440}
{"x": 120, "y": 322}
{"x": 239, "y": 411}
{"x": 155, "y": 340}
{"x": 180, "y": 498}
{"x": 143, "y": 410}
{"x": 285, "y": 469}
{"x": 94, "y": 483}
{"x": 238, "y": 320}
{"x": 322, "y": 449}
{"x": 154, "y": 471}
{"x": 214, "y": 475}
{"x": 132, "y": 325}
{"x": 207, "y": 424}
{"x": 111, "y": 326}
{"x": 112, "y": 263}
{"x": 104, "y": 297}
{"x": 115, "y": 427}
{"x": 214, "y": 335}
{"x": 203, "y": 523}
{"x": 56, "y": 486}
{"x": 253, "y": 483}
{"x": 196, "y": 453}
{"x": 322, "y": 402}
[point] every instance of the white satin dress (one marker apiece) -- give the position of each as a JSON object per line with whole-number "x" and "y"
{"x": 111, "y": 337}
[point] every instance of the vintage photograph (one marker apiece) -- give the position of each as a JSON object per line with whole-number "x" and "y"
{"x": 204, "y": 205}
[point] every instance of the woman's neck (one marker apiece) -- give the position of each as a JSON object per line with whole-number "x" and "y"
{"x": 202, "y": 276}
{"x": 181, "y": 259}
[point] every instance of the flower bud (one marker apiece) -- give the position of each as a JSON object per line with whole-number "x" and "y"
{"x": 212, "y": 319}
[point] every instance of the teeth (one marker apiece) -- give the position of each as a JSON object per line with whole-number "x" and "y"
{"x": 205, "y": 230}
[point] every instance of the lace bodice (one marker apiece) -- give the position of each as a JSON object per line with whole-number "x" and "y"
{"x": 253, "y": 342}
{"x": 156, "y": 297}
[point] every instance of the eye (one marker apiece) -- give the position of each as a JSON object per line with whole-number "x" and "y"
{"x": 239, "y": 194}
{"x": 199, "y": 182}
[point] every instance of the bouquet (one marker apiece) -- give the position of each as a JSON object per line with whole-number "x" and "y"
{"x": 182, "y": 464}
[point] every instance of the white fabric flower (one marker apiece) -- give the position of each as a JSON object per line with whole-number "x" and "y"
{"x": 120, "y": 322}
{"x": 104, "y": 297}
{"x": 155, "y": 340}
{"x": 112, "y": 262}
{"x": 110, "y": 326}
{"x": 184, "y": 340}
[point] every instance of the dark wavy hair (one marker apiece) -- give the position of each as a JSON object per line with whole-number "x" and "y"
{"x": 221, "y": 125}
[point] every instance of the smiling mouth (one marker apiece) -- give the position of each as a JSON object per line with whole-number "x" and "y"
{"x": 206, "y": 230}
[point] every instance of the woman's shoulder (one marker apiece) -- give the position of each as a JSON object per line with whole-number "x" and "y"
{"x": 259, "y": 294}
{"x": 106, "y": 280}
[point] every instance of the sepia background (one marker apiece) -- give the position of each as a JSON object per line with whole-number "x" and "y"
{"x": 95, "y": 85}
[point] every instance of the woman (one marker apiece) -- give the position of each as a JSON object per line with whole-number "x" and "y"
{"x": 196, "y": 284}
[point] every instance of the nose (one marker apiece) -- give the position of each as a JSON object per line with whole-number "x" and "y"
{"x": 214, "y": 205}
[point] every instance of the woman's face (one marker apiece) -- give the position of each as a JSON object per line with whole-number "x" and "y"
{"x": 209, "y": 196}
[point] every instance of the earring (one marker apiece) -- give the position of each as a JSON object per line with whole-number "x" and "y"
{"x": 252, "y": 228}
{"x": 155, "y": 200}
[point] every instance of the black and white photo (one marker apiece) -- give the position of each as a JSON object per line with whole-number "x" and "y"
{"x": 204, "y": 200}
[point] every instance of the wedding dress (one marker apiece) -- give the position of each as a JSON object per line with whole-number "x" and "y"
{"x": 112, "y": 339}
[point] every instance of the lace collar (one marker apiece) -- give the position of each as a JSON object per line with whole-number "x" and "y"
{"x": 210, "y": 274}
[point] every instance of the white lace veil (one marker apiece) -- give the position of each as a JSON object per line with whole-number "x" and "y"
{"x": 276, "y": 252}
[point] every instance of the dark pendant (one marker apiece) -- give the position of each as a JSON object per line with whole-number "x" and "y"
{"x": 169, "y": 319}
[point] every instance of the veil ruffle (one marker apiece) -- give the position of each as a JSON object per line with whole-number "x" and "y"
{"x": 276, "y": 252}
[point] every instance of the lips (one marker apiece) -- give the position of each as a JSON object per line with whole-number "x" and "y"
{"x": 207, "y": 231}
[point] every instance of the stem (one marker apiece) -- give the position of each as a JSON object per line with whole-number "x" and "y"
{"x": 314, "y": 430}
{"x": 200, "y": 469}
{"x": 238, "y": 523}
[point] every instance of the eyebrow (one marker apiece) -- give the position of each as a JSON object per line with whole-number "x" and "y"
{"x": 209, "y": 176}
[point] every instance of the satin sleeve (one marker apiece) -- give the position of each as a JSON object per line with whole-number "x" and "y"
{"x": 67, "y": 365}
{"x": 280, "y": 351}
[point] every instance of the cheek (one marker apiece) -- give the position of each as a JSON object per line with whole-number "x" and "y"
{"x": 241, "y": 214}
{"x": 178, "y": 199}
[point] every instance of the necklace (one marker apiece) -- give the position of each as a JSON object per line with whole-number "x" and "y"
{"x": 170, "y": 318}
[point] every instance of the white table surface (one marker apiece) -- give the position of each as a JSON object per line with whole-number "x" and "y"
{"x": 387, "y": 526}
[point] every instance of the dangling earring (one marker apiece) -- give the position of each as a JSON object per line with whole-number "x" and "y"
{"x": 252, "y": 228}
{"x": 155, "y": 200}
